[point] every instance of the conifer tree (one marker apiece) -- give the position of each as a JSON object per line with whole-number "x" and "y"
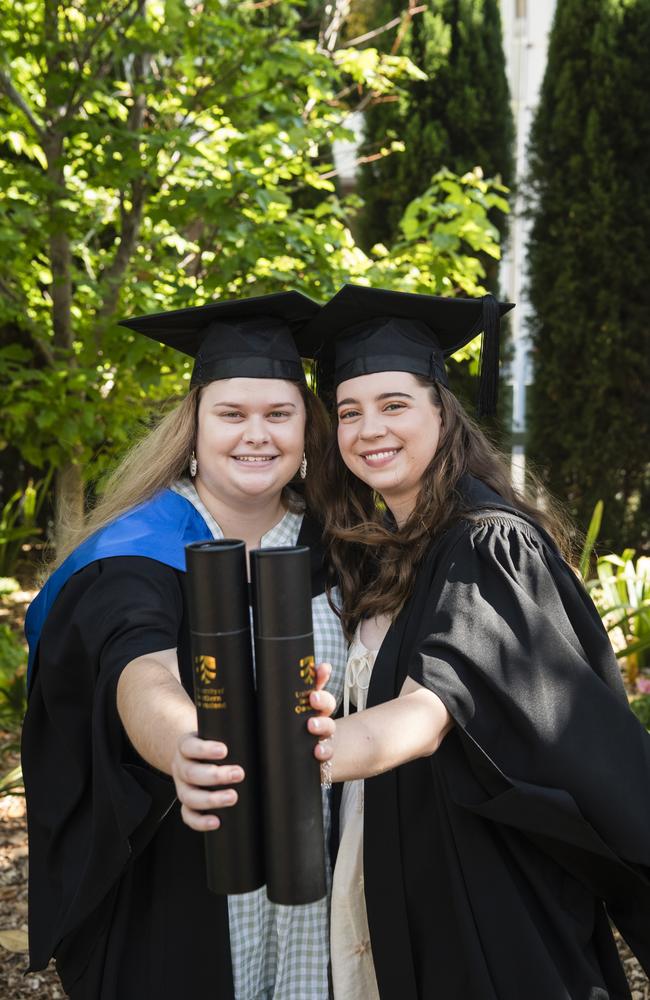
{"x": 589, "y": 266}
{"x": 459, "y": 117}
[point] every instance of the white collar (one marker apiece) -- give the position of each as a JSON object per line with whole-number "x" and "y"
{"x": 285, "y": 532}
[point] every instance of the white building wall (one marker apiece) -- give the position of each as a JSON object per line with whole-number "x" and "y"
{"x": 526, "y": 26}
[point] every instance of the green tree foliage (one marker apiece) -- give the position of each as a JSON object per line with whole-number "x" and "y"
{"x": 458, "y": 116}
{"x": 589, "y": 265}
{"x": 157, "y": 156}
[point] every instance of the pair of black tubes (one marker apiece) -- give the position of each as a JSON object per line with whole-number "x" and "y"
{"x": 273, "y": 835}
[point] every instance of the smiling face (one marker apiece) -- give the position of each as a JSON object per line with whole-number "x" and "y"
{"x": 388, "y": 433}
{"x": 250, "y": 439}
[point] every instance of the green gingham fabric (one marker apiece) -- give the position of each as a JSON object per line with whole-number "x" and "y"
{"x": 282, "y": 952}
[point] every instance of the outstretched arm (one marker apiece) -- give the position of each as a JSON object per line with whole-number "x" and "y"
{"x": 385, "y": 736}
{"x": 154, "y": 707}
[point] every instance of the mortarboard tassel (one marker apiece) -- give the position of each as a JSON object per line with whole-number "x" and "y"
{"x": 322, "y": 379}
{"x": 489, "y": 362}
{"x": 314, "y": 376}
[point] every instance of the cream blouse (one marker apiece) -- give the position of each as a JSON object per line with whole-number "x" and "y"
{"x": 353, "y": 970}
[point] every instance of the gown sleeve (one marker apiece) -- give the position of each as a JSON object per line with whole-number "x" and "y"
{"x": 93, "y": 803}
{"x": 547, "y": 744}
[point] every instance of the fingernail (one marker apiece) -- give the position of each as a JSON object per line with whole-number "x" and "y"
{"x": 316, "y": 724}
{"x": 315, "y": 698}
{"x": 236, "y": 774}
{"x": 229, "y": 796}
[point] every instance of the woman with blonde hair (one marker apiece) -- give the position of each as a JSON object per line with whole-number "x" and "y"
{"x": 495, "y": 811}
{"x": 116, "y": 779}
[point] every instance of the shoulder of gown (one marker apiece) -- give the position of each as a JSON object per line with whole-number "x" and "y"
{"x": 512, "y": 644}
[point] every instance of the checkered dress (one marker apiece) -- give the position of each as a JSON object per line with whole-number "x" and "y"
{"x": 282, "y": 952}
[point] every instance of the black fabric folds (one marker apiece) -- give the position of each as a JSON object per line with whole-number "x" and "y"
{"x": 492, "y": 866}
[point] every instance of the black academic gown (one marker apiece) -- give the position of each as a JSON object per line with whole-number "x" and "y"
{"x": 491, "y": 866}
{"x": 117, "y": 890}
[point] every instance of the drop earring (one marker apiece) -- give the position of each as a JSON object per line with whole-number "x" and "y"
{"x": 194, "y": 466}
{"x": 303, "y": 467}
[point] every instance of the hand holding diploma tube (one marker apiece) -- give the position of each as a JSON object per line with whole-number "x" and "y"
{"x": 202, "y": 778}
{"x": 218, "y": 769}
{"x": 294, "y": 847}
{"x": 224, "y": 695}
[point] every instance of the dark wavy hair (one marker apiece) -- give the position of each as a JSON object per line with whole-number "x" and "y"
{"x": 373, "y": 561}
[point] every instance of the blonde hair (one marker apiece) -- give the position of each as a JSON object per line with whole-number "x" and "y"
{"x": 159, "y": 459}
{"x": 162, "y": 457}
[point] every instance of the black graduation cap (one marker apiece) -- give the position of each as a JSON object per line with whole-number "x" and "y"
{"x": 366, "y": 330}
{"x": 261, "y": 337}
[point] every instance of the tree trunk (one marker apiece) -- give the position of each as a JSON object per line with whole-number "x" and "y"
{"x": 68, "y": 489}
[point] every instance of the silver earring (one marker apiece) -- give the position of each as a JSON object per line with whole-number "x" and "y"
{"x": 194, "y": 466}
{"x": 303, "y": 467}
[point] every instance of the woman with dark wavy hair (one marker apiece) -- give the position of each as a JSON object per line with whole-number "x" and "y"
{"x": 495, "y": 807}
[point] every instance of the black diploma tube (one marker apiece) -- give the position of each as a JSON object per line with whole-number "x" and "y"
{"x": 224, "y": 694}
{"x": 284, "y": 661}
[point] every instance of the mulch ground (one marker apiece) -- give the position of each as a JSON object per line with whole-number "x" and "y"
{"x": 14, "y": 984}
